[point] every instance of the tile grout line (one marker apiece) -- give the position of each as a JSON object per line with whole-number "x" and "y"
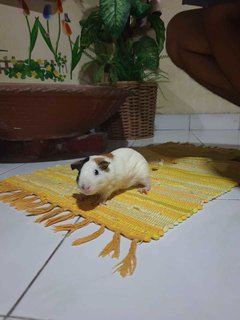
{"x": 21, "y": 165}
{"x": 34, "y": 279}
{"x": 191, "y": 131}
{"x": 21, "y": 318}
{"x": 36, "y": 276}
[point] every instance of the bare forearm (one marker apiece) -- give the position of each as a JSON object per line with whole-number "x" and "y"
{"x": 222, "y": 30}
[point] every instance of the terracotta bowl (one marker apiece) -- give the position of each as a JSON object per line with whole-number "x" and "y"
{"x": 41, "y": 111}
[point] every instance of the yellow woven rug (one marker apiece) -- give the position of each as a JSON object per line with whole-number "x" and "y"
{"x": 183, "y": 176}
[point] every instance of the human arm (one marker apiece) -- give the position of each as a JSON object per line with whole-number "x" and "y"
{"x": 222, "y": 25}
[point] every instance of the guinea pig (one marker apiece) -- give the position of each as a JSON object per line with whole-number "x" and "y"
{"x": 105, "y": 174}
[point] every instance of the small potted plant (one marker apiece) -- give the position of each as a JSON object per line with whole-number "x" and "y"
{"x": 124, "y": 41}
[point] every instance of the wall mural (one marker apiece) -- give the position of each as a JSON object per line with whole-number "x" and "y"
{"x": 58, "y": 67}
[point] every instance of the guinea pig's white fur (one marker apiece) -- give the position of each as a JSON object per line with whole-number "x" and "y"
{"x": 104, "y": 174}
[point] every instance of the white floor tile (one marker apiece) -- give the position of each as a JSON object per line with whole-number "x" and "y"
{"x": 172, "y": 122}
{"x": 20, "y": 318}
{"x": 31, "y": 167}
{"x": 221, "y": 138}
{"x": 163, "y": 136}
{"x": 24, "y": 248}
{"x": 214, "y": 121}
{"x": 191, "y": 273}
{"x": 232, "y": 195}
{"x": 4, "y": 167}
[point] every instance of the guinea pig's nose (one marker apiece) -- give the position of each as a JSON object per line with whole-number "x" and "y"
{"x": 85, "y": 187}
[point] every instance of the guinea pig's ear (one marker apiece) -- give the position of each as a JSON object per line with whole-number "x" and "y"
{"x": 102, "y": 163}
{"x": 79, "y": 164}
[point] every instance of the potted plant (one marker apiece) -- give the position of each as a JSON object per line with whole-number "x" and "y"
{"x": 124, "y": 40}
{"x": 33, "y": 112}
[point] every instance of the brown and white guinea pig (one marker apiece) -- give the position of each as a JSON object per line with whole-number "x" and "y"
{"x": 105, "y": 174}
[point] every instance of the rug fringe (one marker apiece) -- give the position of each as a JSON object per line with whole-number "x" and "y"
{"x": 92, "y": 236}
{"x": 113, "y": 245}
{"x": 37, "y": 210}
{"x": 11, "y": 197}
{"x": 27, "y": 204}
{"x": 6, "y": 187}
{"x": 61, "y": 218}
{"x": 70, "y": 228}
{"x": 128, "y": 265}
{"x": 49, "y": 214}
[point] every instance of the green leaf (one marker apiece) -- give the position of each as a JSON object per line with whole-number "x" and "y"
{"x": 114, "y": 14}
{"x": 102, "y": 51}
{"x": 34, "y": 34}
{"x": 90, "y": 28}
{"x": 146, "y": 53}
{"x": 139, "y": 8}
{"x": 124, "y": 64}
{"x": 76, "y": 54}
{"x": 46, "y": 37}
{"x": 113, "y": 76}
{"x": 99, "y": 74}
{"x": 158, "y": 25}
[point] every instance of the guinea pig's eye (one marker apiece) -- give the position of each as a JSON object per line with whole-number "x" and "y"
{"x": 96, "y": 172}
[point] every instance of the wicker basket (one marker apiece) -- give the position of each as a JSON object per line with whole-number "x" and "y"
{"x": 135, "y": 118}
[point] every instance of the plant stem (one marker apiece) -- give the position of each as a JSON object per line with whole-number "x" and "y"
{"x": 59, "y": 33}
{"x": 30, "y": 34}
{"x": 48, "y": 28}
{"x": 58, "y": 39}
{"x": 70, "y": 42}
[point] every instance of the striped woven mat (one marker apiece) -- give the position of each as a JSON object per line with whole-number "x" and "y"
{"x": 183, "y": 178}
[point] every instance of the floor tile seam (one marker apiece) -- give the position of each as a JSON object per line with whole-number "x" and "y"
{"x": 195, "y": 136}
{"x": 5, "y": 317}
{"x": 21, "y": 165}
{"x": 11, "y": 310}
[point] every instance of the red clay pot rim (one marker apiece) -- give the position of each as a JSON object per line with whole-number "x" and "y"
{"x": 35, "y": 88}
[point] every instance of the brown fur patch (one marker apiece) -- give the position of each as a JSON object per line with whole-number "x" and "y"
{"x": 102, "y": 163}
{"x": 108, "y": 155}
{"x": 99, "y": 160}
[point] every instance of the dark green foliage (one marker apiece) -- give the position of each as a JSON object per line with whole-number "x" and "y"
{"x": 34, "y": 34}
{"x": 45, "y": 36}
{"x": 117, "y": 40}
{"x": 35, "y": 69}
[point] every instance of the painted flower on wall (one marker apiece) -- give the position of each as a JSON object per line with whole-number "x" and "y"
{"x": 41, "y": 68}
{"x": 25, "y": 7}
{"x": 76, "y": 51}
{"x": 47, "y": 11}
{"x": 59, "y": 6}
{"x": 66, "y": 28}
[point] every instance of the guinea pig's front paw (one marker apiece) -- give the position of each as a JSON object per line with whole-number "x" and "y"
{"x": 144, "y": 189}
{"x": 103, "y": 202}
{"x": 103, "y": 199}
